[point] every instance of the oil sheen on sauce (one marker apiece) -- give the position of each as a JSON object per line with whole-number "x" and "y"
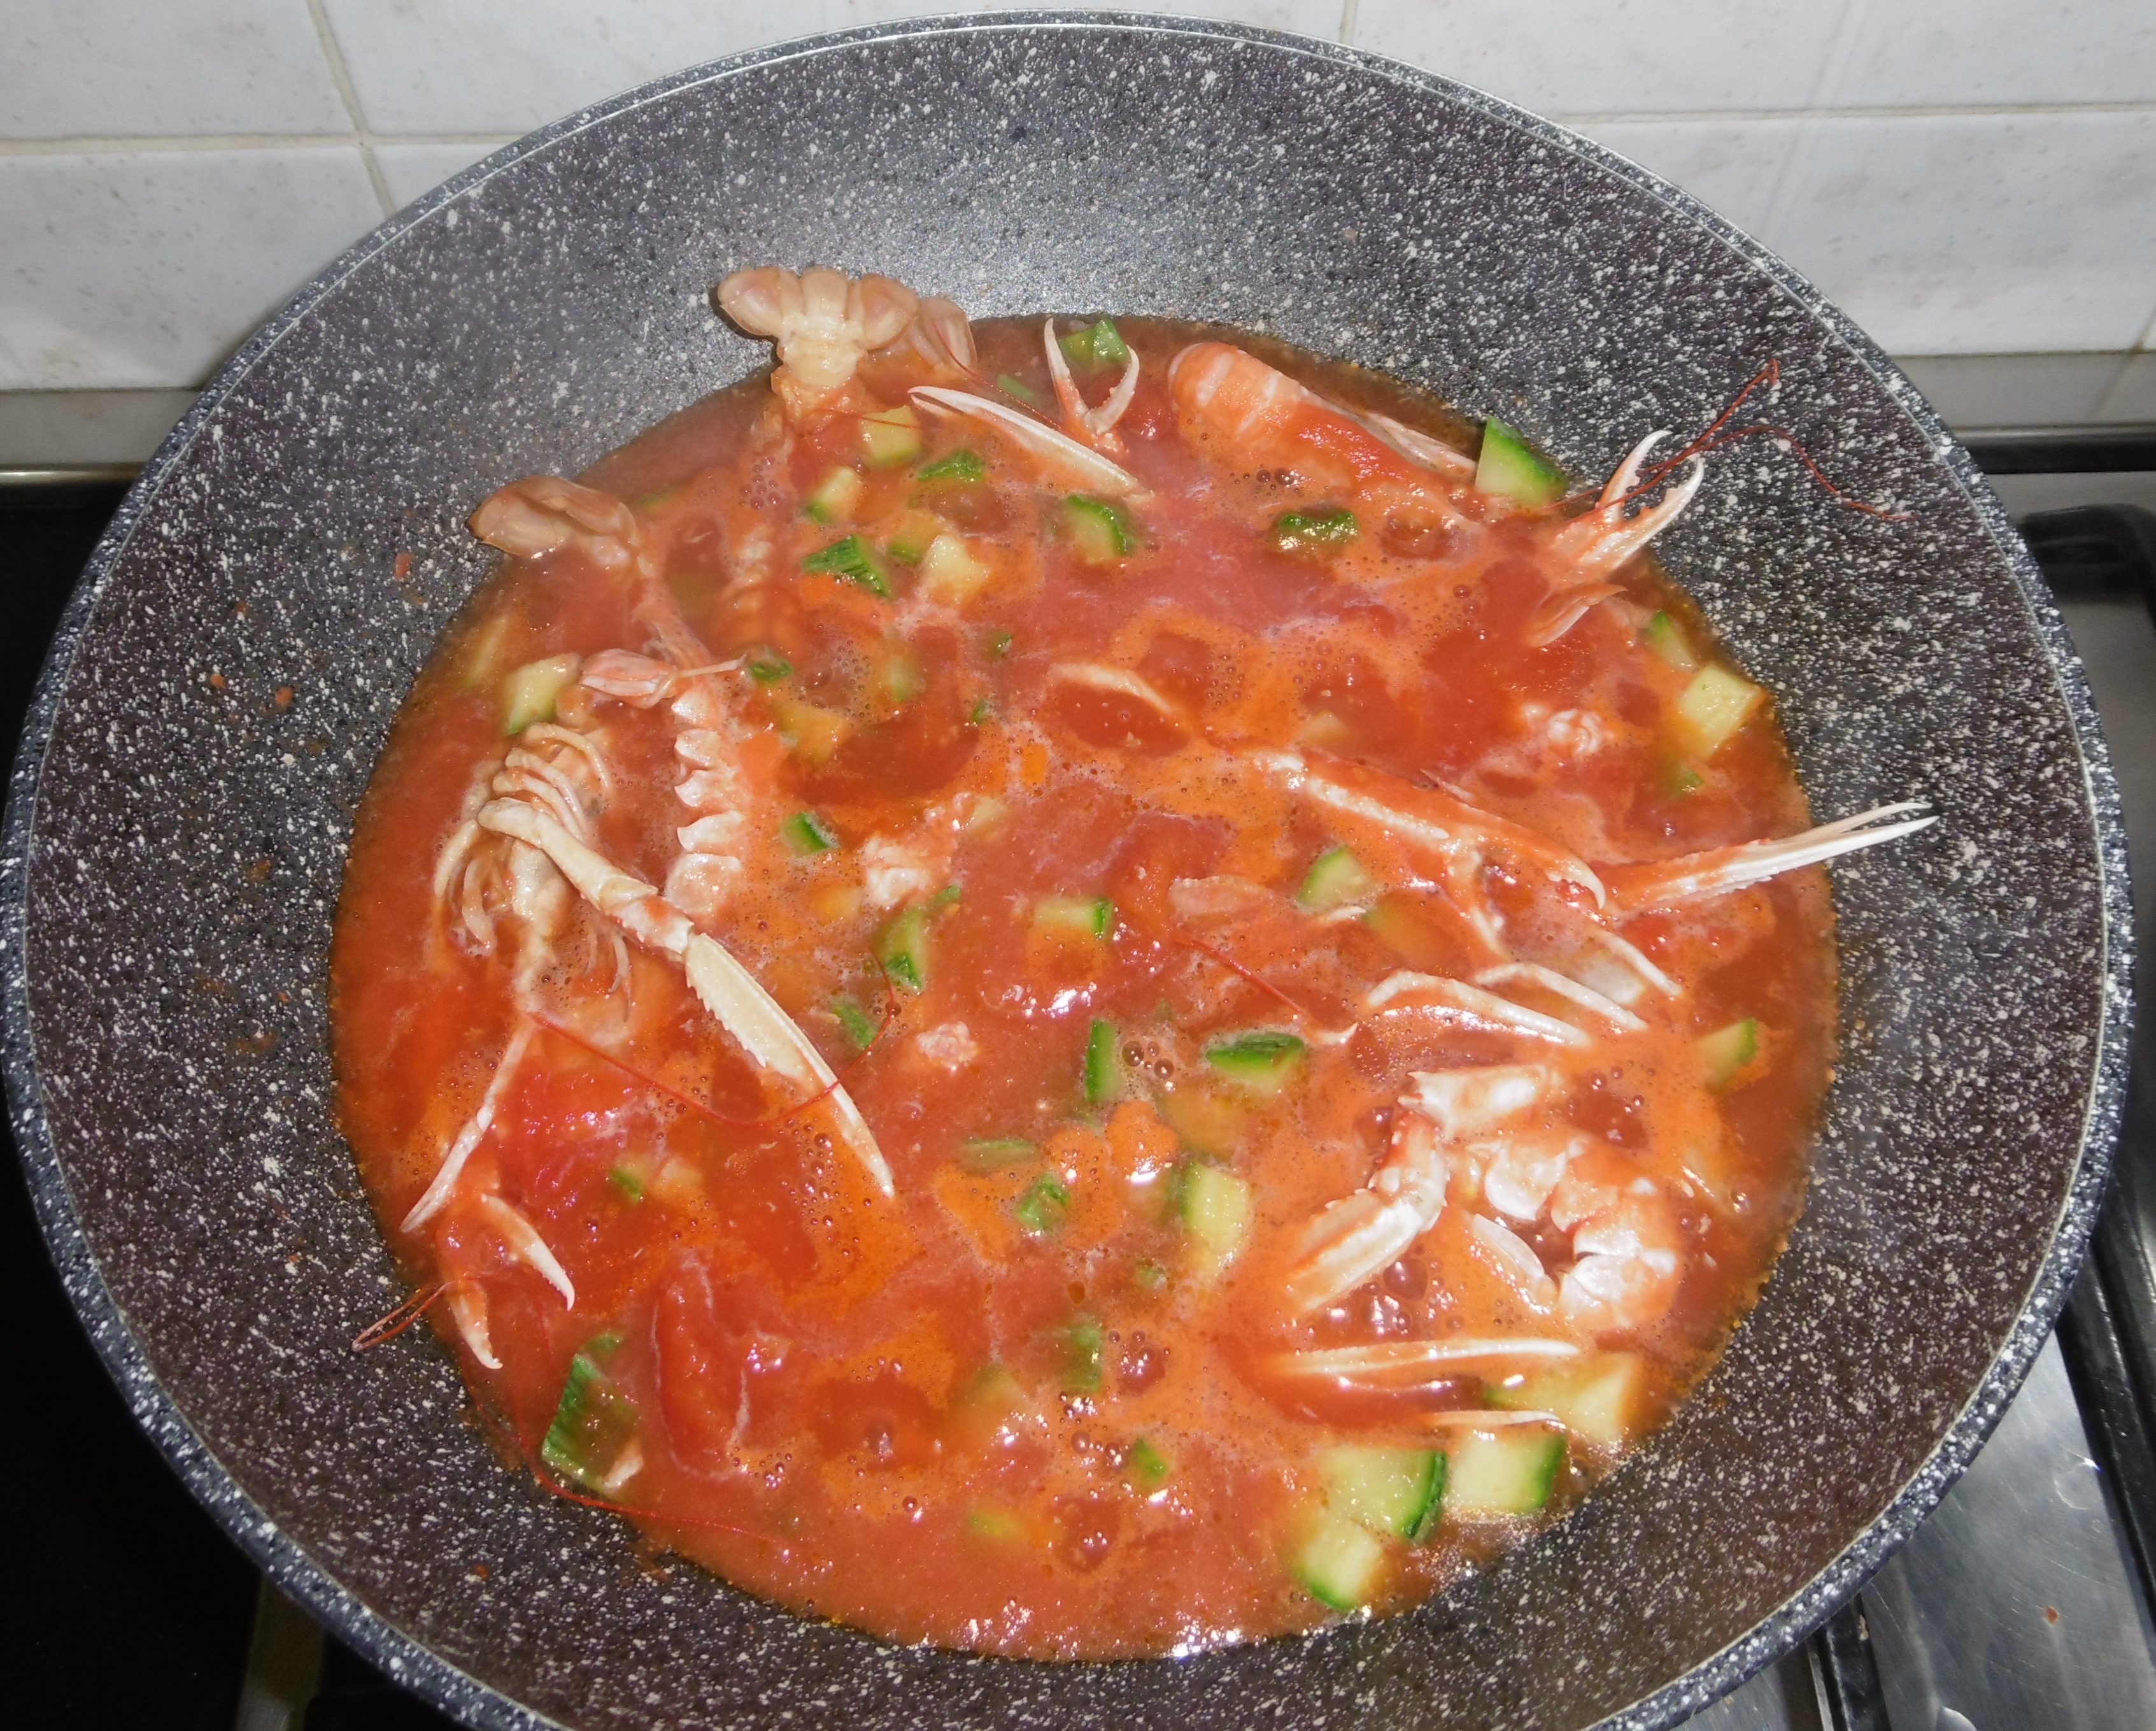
{"x": 1081, "y": 848}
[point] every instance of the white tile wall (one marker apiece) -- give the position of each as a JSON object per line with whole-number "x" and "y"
{"x": 1735, "y": 165}
{"x": 510, "y": 65}
{"x": 1969, "y": 177}
{"x": 1613, "y": 56}
{"x": 1959, "y": 234}
{"x": 408, "y": 170}
{"x": 135, "y": 269}
{"x": 135, "y": 68}
{"x": 1946, "y": 52}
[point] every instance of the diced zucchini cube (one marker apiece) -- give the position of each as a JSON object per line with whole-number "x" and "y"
{"x": 1099, "y": 532}
{"x": 958, "y": 465}
{"x": 1725, "y": 1052}
{"x": 890, "y": 436}
{"x": 1336, "y": 879}
{"x": 1596, "y": 1399}
{"x": 1011, "y": 385}
{"x": 903, "y": 679}
{"x": 1261, "y": 1060}
{"x": 1394, "y": 1491}
{"x": 990, "y": 1411}
{"x": 806, "y": 833}
{"x": 993, "y": 1521}
{"x": 1042, "y": 1210}
{"x": 834, "y": 497}
{"x": 529, "y": 693}
{"x": 1506, "y": 1472}
{"x": 1319, "y": 532}
{"x": 1146, "y": 1465}
{"x": 951, "y": 572}
{"x": 1207, "y": 1117}
{"x": 860, "y": 1026}
{"x": 1341, "y": 1563}
{"x": 816, "y": 734}
{"x": 1714, "y": 706}
{"x": 993, "y": 1153}
{"x": 853, "y": 559}
{"x": 1508, "y": 469}
{"x": 1075, "y": 916}
{"x": 1084, "y": 1341}
{"x": 1666, "y": 639}
{"x": 1098, "y": 345}
{"x": 1104, "y": 1064}
{"x": 907, "y": 537}
{"x": 902, "y": 947}
{"x": 593, "y": 1423}
{"x": 1216, "y": 1212}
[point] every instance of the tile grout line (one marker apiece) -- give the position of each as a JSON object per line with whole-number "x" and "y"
{"x": 1349, "y": 8}
{"x": 178, "y": 143}
{"x": 348, "y": 93}
{"x": 2111, "y": 388}
{"x": 367, "y": 139}
{"x": 13, "y": 365}
{"x": 1839, "y": 47}
{"x": 2140, "y": 352}
{"x": 1825, "y": 112}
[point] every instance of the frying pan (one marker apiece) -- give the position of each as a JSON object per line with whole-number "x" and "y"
{"x": 228, "y": 667}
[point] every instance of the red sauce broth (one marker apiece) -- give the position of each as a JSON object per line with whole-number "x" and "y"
{"x": 1019, "y": 1406}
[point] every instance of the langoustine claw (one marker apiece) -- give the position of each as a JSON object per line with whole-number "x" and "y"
{"x": 1095, "y": 426}
{"x": 822, "y": 322}
{"x": 1596, "y": 544}
{"x": 1592, "y": 547}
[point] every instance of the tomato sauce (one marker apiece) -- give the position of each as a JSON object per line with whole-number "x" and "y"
{"x": 1126, "y": 859}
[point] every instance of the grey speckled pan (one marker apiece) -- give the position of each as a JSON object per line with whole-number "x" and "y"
{"x": 176, "y": 837}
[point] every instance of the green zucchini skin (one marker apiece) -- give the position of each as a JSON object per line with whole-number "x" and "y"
{"x": 1509, "y": 468}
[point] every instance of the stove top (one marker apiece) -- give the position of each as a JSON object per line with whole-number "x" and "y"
{"x": 2022, "y": 1603}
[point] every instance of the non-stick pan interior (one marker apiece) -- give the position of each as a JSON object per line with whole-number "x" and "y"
{"x": 211, "y": 717}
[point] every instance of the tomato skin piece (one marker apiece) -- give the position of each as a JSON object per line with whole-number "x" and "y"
{"x": 1157, "y": 848}
{"x": 703, "y": 1356}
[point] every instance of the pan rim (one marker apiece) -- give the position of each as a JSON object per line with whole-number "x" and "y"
{"x": 294, "y": 1572}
